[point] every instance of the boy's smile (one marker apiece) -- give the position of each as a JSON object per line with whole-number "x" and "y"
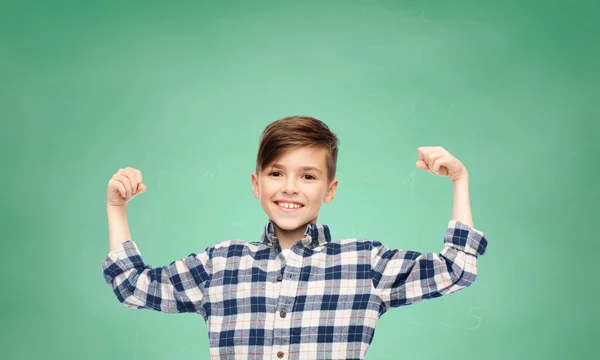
{"x": 289, "y": 205}
{"x": 292, "y": 190}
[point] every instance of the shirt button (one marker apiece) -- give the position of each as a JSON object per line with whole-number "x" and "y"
{"x": 282, "y": 314}
{"x": 279, "y": 277}
{"x": 280, "y": 354}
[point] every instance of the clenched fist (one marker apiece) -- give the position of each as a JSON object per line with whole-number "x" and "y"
{"x": 439, "y": 161}
{"x": 123, "y": 186}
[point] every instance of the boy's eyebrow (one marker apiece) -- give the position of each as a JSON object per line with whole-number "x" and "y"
{"x": 302, "y": 168}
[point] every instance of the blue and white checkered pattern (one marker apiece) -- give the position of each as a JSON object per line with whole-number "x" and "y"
{"x": 321, "y": 302}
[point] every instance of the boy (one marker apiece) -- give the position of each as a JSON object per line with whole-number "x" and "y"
{"x": 295, "y": 293}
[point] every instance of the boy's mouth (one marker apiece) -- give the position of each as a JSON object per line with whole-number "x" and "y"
{"x": 288, "y": 206}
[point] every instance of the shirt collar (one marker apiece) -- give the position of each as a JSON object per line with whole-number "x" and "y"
{"x": 314, "y": 235}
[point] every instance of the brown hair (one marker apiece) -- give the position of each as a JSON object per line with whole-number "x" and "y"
{"x": 294, "y": 132}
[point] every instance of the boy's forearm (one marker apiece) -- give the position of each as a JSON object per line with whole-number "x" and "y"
{"x": 461, "y": 209}
{"x": 118, "y": 228}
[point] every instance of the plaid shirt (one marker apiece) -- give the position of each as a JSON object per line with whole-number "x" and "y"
{"x": 321, "y": 302}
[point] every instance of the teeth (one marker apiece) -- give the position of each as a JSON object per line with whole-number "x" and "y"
{"x": 289, "y": 205}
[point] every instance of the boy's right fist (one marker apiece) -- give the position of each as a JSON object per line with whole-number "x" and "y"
{"x": 123, "y": 186}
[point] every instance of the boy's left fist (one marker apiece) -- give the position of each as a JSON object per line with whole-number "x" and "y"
{"x": 439, "y": 161}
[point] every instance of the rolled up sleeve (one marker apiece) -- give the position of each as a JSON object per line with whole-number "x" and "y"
{"x": 175, "y": 288}
{"x": 404, "y": 277}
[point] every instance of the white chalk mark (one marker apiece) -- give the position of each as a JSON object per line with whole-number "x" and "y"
{"x": 451, "y": 106}
{"x": 413, "y": 112}
{"x": 423, "y": 18}
{"x": 183, "y": 350}
{"x": 411, "y": 181}
{"x": 431, "y": 108}
{"x": 207, "y": 177}
{"x": 445, "y": 322}
{"x": 471, "y": 315}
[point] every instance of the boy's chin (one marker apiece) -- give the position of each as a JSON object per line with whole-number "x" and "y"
{"x": 289, "y": 225}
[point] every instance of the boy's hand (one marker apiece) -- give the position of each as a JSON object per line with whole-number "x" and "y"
{"x": 123, "y": 186}
{"x": 439, "y": 161}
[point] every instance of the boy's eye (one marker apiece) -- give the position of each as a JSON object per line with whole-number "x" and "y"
{"x": 277, "y": 173}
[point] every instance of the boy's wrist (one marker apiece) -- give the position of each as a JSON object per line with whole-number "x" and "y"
{"x": 110, "y": 207}
{"x": 463, "y": 179}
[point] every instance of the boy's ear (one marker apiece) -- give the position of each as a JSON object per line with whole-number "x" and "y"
{"x": 331, "y": 191}
{"x": 255, "y": 185}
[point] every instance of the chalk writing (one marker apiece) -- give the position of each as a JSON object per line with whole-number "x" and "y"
{"x": 411, "y": 181}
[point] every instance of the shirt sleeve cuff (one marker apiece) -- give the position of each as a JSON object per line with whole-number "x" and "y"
{"x": 465, "y": 238}
{"x": 126, "y": 256}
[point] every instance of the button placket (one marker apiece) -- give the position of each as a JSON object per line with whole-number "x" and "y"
{"x": 290, "y": 272}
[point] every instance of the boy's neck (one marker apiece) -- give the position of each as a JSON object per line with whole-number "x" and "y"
{"x": 287, "y": 238}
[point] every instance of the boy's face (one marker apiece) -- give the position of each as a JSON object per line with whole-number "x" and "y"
{"x": 292, "y": 190}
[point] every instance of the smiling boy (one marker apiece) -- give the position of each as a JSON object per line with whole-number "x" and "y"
{"x": 292, "y": 191}
{"x": 295, "y": 293}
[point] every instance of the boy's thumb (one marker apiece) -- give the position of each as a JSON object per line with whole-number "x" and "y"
{"x": 142, "y": 188}
{"x": 422, "y": 165}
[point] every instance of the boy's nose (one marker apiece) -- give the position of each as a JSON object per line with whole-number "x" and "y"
{"x": 290, "y": 187}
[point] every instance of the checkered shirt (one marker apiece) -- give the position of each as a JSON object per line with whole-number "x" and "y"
{"x": 321, "y": 302}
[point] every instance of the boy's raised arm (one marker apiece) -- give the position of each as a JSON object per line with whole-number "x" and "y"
{"x": 403, "y": 277}
{"x": 123, "y": 186}
{"x": 176, "y": 288}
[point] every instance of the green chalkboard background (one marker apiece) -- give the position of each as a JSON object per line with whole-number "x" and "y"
{"x": 182, "y": 91}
